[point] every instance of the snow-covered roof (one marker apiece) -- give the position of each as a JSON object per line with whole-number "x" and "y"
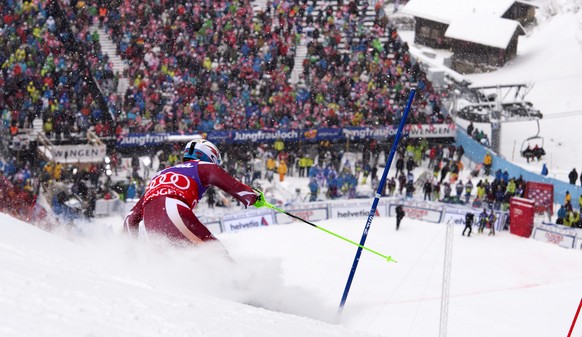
{"x": 446, "y": 11}
{"x": 484, "y": 29}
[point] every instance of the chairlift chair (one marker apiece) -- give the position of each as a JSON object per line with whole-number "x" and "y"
{"x": 536, "y": 140}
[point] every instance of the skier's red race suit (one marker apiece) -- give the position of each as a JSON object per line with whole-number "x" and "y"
{"x": 167, "y": 205}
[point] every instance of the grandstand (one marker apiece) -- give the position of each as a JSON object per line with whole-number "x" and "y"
{"x": 137, "y": 76}
{"x": 150, "y": 73}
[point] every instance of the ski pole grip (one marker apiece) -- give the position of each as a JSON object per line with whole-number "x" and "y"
{"x": 260, "y": 202}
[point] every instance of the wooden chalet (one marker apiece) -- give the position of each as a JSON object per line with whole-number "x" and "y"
{"x": 482, "y": 41}
{"x": 468, "y": 27}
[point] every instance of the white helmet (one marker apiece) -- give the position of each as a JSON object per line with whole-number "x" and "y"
{"x": 202, "y": 150}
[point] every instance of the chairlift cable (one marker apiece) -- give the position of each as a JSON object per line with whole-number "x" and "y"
{"x": 563, "y": 114}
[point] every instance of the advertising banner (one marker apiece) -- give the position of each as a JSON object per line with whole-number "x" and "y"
{"x": 142, "y": 139}
{"x": 309, "y": 212}
{"x": 249, "y": 219}
{"x": 340, "y": 134}
{"x": 355, "y": 210}
{"x": 521, "y": 212}
{"x": 72, "y": 154}
{"x": 154, "y": 139}
{"x": 457, "y": 216}
{"x": 558, "y": 235}
{"x": 542, "y": 194}
{"x": 418, "y": 212}
{"x": 212, "y": 223}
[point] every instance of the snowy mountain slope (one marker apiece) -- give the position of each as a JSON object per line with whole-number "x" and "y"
{"x": 108, "y": 285}
{"x": 51, "y": 286}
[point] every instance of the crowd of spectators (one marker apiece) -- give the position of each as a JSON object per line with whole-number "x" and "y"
{"x": 41, "y": 76}
{"x": 214, "y": 65}
{"x": 206, "y": 65}
{"x": 360, "y": 76}
{"x": 567, "y": 215}
{"x": 478, "y": 135}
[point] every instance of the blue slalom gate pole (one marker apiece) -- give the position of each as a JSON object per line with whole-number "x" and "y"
{"x": 377, "y": 198}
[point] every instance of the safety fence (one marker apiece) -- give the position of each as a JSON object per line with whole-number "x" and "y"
{"x": 428, "y": 211}
{"x": 562, "y": 236}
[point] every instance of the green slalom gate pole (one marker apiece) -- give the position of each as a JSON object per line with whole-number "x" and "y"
{"x": 273, "y": 207}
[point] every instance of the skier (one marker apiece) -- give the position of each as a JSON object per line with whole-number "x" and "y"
{"x": 399, "y": 215}
{"x": 469, "y": 217}
{"x": 166, "y": 207}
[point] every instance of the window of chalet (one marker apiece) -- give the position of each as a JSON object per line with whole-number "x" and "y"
{"x": 424, "y": 31}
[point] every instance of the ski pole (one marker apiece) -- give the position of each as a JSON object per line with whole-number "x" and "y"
{"x": 264, "y": 203}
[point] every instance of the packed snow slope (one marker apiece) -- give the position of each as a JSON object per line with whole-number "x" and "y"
{"x": 282, "y": 280}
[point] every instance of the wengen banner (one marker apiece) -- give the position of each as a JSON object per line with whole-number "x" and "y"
{"x": 72, "y": 154}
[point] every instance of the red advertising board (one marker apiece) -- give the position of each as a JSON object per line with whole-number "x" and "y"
{"x": 542, "y": 195}
{"x": 521, "y": 213}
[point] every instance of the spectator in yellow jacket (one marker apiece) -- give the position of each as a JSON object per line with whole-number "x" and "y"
{"x": 58, "y": 171}
{"x": 487, "y": 163}
{"x": 271, "y": 163}
{"x": 282, "y": 170}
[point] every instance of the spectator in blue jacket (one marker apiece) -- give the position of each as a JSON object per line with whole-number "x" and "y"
{"x": 544, "y": 170}
{"x": 313, "y": 189}
{"x": 561, "y": 215}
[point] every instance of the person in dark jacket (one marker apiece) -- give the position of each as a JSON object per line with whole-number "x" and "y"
{"x": 460, "y": 152}
{"x": 400, "y": 166}
{"x": 410, "y": 164}
{"x": 483, "y": 219}
{"x": 573, "y": 176}
{"x": 399, "y": 215}
{"x": 427, "y": 188}
{"x": 469, "y": 218}
{"x": 470, "y": 129}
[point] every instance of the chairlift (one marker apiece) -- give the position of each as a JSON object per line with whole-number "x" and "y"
{"x": 527, "y": 151}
